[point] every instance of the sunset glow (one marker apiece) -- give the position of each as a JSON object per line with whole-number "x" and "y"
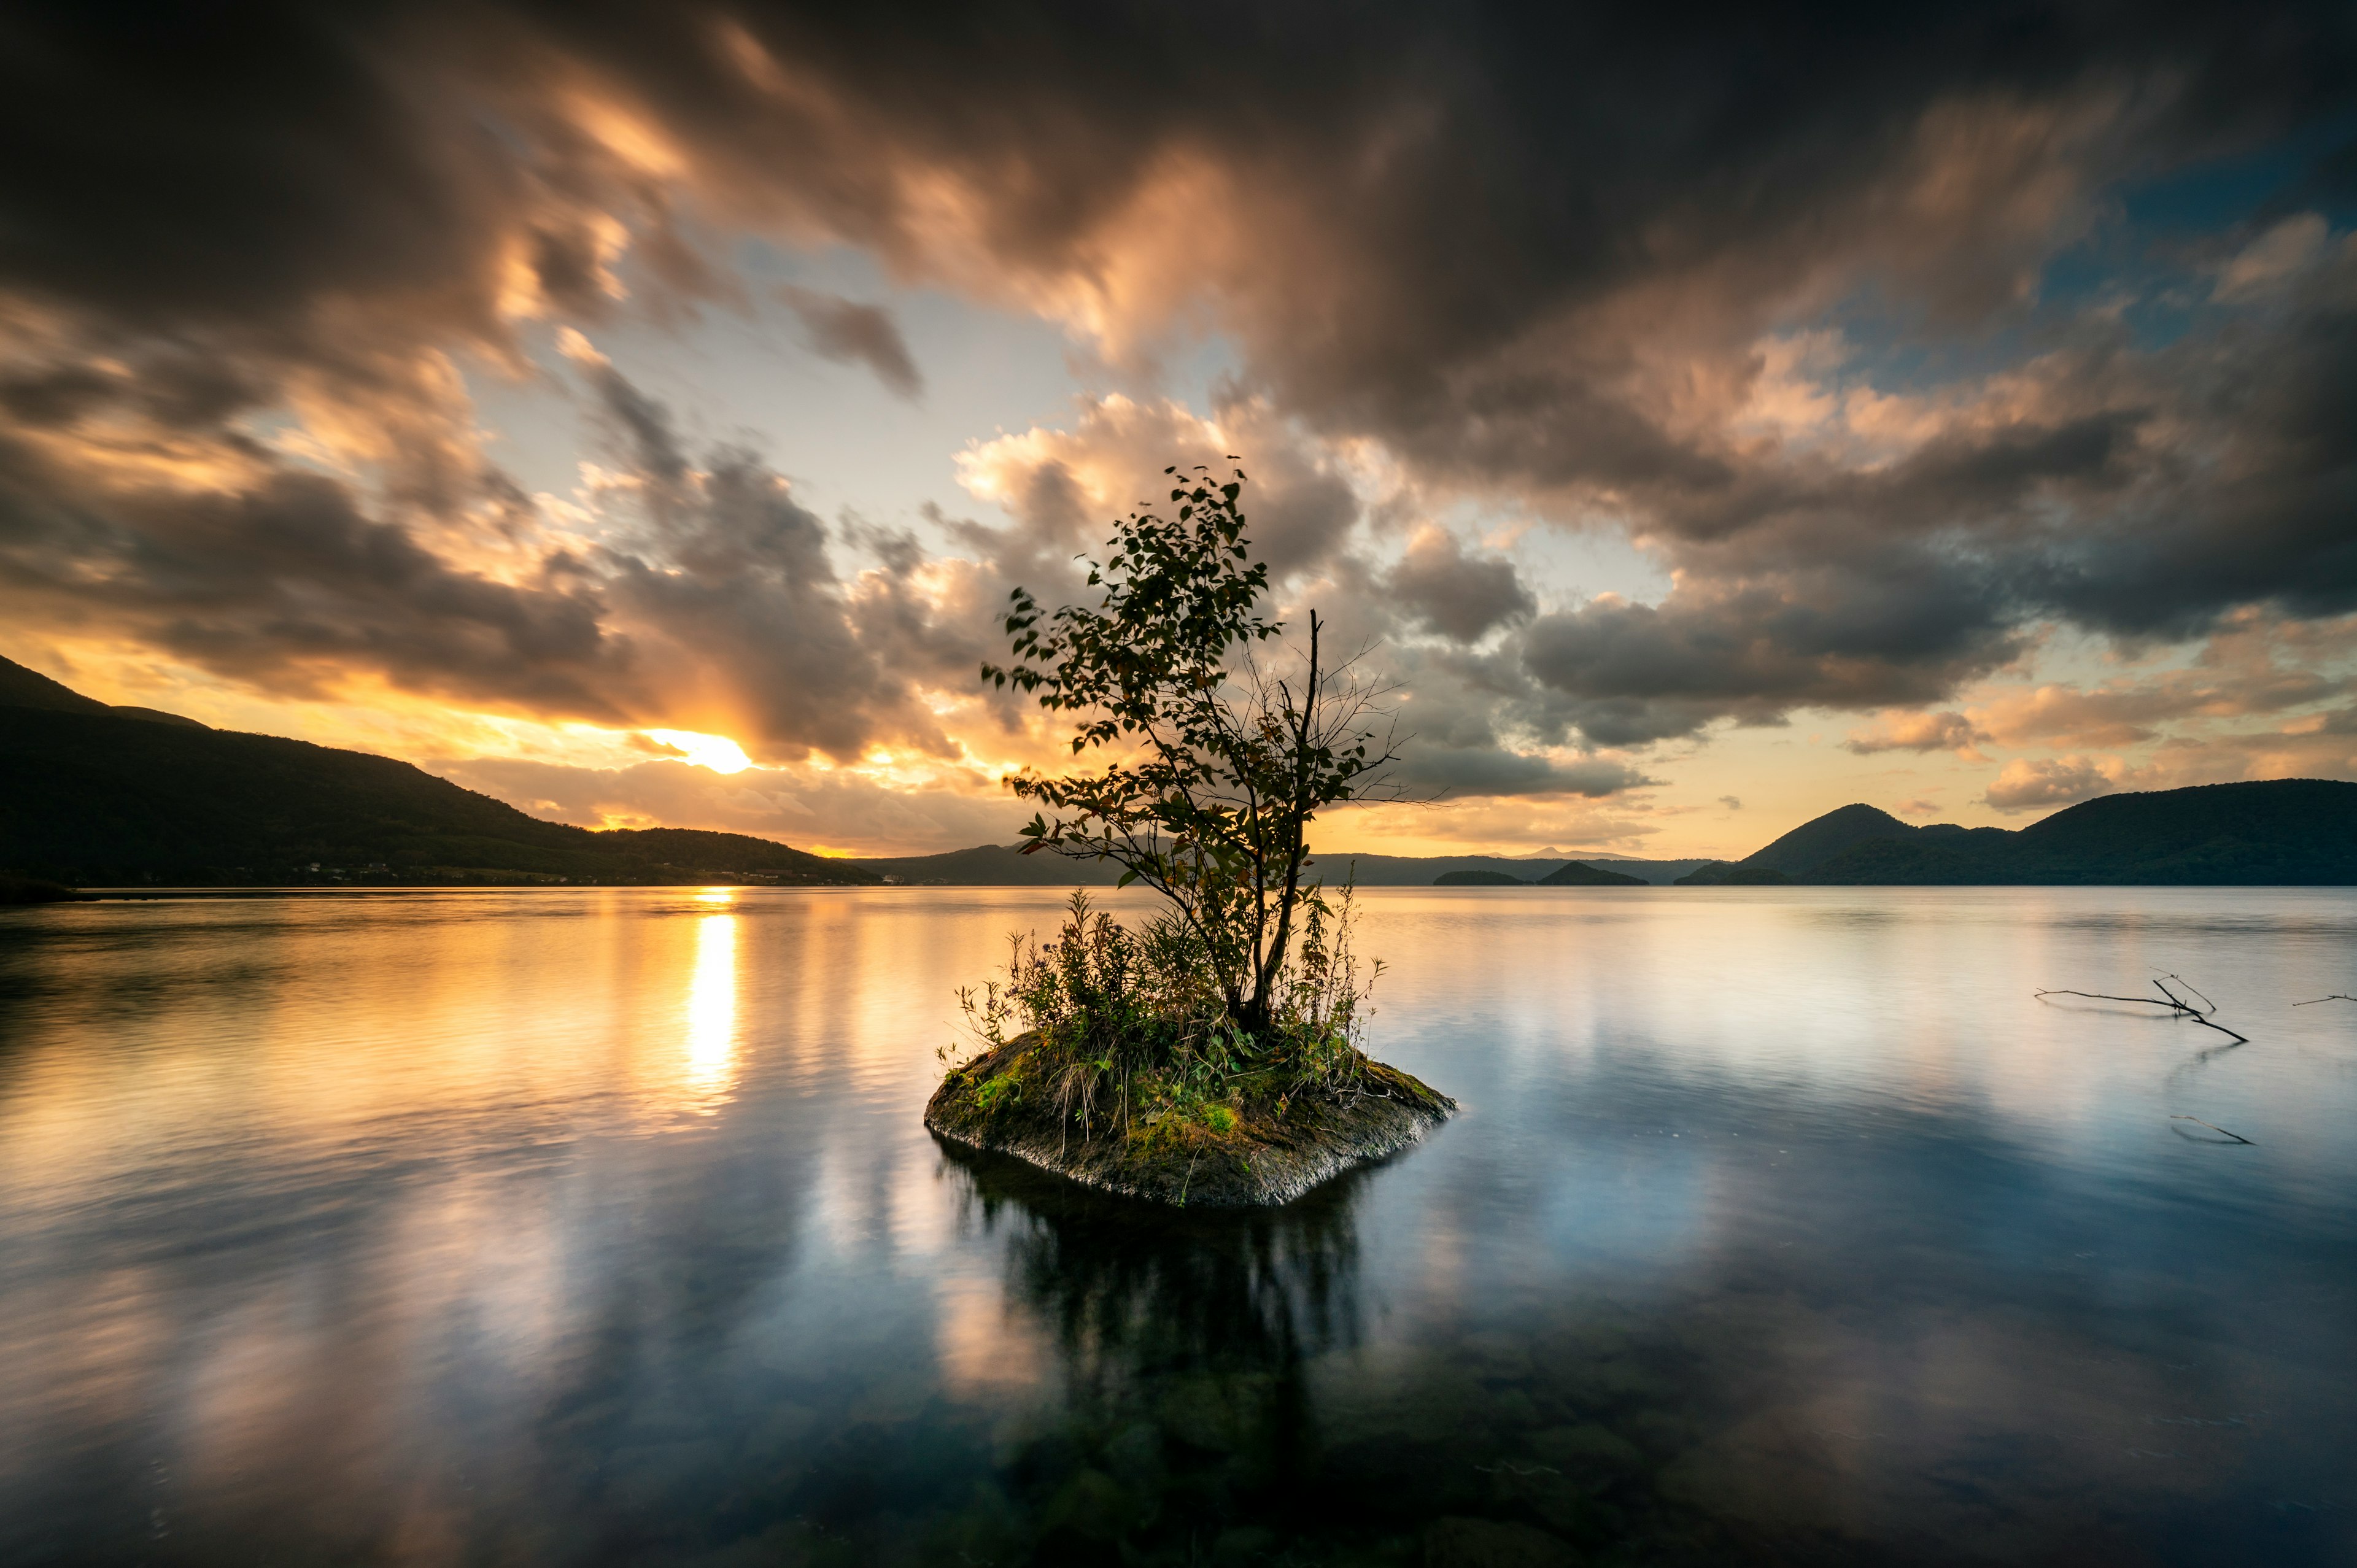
{"x": 1982, "y": 462}
{"x": 1054, "y": 784}
{"x": 717, "y": 752}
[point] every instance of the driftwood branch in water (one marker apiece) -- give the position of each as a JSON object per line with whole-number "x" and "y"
{"x": 2336, "y": 996}
{"x": 2178, "y": 1006}
{"x": 2213, "y": 1127}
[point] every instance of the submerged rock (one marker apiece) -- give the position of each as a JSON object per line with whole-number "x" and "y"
{"x": 1263, "y": 1156}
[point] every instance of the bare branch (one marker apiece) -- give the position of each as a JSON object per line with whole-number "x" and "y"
{"x": 2178, "y": 1006}
{"x": 2099, "y": 996}
{"x": 2213, "y": 1127}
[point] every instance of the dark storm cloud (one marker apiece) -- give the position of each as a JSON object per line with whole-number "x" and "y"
{"x": 1442, "y": 772}
{"x": 1063, "y": 487}
{"x": 1531, "y": 254}
{"x": 735, "y": 577}
{"x": 1457, "y": 595}
{"x": 283, "y": 578}
{"x": 1902, "y": 627}
{"x": 713, "y": 598}
{"x": 847, "y": 332}
{"x": 207, "y": 164}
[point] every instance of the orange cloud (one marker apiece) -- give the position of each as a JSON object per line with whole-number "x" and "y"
{"x": 1920, "y": 732}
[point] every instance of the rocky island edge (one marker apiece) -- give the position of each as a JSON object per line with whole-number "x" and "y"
{"x": 1250, "y": 1154}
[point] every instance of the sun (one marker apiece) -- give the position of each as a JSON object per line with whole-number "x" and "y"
{"x": 717, "y": 752}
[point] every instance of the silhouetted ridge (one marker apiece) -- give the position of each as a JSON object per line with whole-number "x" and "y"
{"x": 1819, "y": 839}
{"x": 93, "y": 796}
{"x": 23, "y": 688}
{"x": 995, "y": 866}
{"x": 2285, "y": 831}
{"x": 1579, "y": 873}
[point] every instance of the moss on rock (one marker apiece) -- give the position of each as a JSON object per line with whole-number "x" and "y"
{"x": 1243, "y": 1153}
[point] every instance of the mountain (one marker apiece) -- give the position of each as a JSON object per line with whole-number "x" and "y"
{"x": 93, "y": 796}
{"x": 110, "y": 796}
{"x": 991, "y": 865}
{"x": 1576, "y": 874}
{"x": 994, "y": 866}
{"x": 1728, "y": 874}
{"x": 1418, "y": 870}
{"x": 33, "y": 890}
{"x": 997, "y": 865}
{"x": 1816, "y": 842}
{"x": 1659, "y": 873}
{"x": 2282, "y": 832}
{"x": 23, "y": 688}
{"x": 1478, "y": 879}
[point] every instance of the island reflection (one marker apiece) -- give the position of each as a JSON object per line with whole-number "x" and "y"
{"x": 597, "y": 1227}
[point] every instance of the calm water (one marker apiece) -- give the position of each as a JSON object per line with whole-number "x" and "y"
{"x": 598, "y": 1226}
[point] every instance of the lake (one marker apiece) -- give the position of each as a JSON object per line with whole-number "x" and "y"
{"x": 1782, "y": 1225}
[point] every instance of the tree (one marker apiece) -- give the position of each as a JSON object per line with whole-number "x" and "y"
{"x": 1217, "y": 763}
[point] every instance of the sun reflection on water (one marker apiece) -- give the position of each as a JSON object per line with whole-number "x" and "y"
{"x": 712, "y": 1006}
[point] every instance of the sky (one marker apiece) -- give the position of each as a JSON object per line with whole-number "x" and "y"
{"x": 641, "y": 414}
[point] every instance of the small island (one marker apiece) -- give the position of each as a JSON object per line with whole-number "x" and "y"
{"x": 1211, "y": 1056}
{"x": 1478, "y": 879}
{"x": 1272, "y": 1134}
{"x": 1571, "y": 873}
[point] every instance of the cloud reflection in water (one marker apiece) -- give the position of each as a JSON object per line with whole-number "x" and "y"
{"x": 1780, "y": 1223}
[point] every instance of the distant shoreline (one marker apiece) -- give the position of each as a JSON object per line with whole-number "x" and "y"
{"x": 138, "y": 805}
{"x": 260, "y": 890}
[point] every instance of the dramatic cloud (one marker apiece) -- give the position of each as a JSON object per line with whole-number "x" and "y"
{"x": 735, "y": 575}
{"x": 1919, "y": 732}
{"x": 851, "y": 333}
{"x": 172, "y": 526}
{"x": 2255, "y": 665}
{"x": 1884, "y": 341}
{"x": 1063, "y": 487}
{"x": 839, "y": 812}
{"x": 1447, "y": 591}
{"x": 1443, "y": 772}
{"x": 2041, "y": 784}
{"x": 1854, "y": 634}
{"x": 2283, "y": 253}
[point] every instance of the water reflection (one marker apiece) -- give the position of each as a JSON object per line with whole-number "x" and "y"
{"x": 712, "y": 1007}
{"x": 1186, "y": 1427}
{"x": 373, "y": 1230}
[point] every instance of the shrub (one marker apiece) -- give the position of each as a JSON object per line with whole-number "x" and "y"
{"x": 1124, "y": 1025}
{"x": 1217, "y": 759}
